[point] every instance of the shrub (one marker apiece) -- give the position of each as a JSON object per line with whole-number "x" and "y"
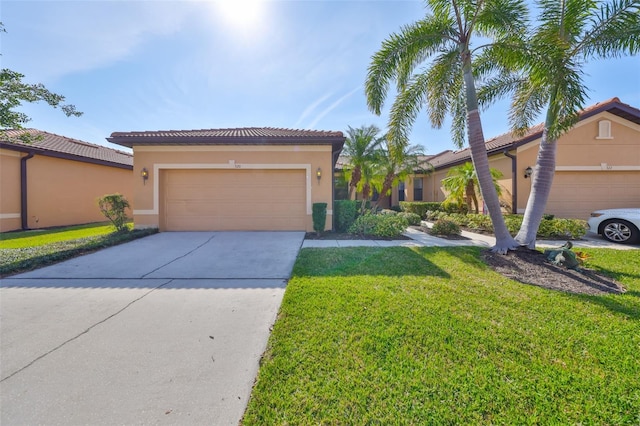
{"x": 513, "y": 223}
{"x": 345, "y": 214}
{"x": 562, "y": 228}
{"x": 419, "y": 207}
{"x": 363, "y": 225}
{"x": 390, "y": 226}
{"x": 113, "y": 207}
{"x": 453, "y": 207}
{"x": 388, "y": 211}
{"x": 479, "y": 222}
{"x": 412, "y": 218}
{"x": 379, "y": 225}
{"x": 319, "y": 215}
{"x": 445, "y": 227}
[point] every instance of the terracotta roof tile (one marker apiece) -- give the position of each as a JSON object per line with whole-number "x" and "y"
{"x": 243, "y": 134}
{"x": 52, "y": 143}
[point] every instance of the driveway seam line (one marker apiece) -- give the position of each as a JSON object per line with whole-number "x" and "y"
{"x": 85, "y": 331}
{"x": 178, "y": 258}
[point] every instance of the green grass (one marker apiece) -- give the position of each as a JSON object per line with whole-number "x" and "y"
{"x": 39, "y": 237}
{"x": 433, "y": 336}
{"x": 26, "y": 250}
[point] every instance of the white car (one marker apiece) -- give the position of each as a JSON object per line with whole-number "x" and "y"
{"x": 616, "y": 225}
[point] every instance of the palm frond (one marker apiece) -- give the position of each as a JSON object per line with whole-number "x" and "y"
{"x": 614, "y": 30}
{"x": 399, "y": 55}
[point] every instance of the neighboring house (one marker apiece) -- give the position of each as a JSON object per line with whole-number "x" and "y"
{"x": 55, "y": 180}
{"x": 231, "y": 179}
{"x": 597, "y": 167}
{"x": 398, "y": 193}
{"x": 597, "y": 164}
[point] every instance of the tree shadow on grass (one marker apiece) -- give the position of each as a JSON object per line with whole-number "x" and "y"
{"x": 371, "y": 261}
{"x": 627, "y": 304}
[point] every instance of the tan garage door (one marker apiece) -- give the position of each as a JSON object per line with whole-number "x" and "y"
{"x": 577, "y": 194}
{"x": 233, "y": 200}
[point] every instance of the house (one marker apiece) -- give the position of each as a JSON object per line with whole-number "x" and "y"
{"x": 231, "y": 179}
{"x": 597, "y": 165}
{"x": 55, "y": 181}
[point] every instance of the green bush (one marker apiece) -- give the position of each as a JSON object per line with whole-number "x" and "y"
{"x": 412, "y": 218}
{"x": 549, "y": 228}
{"x": 345, "y": 212}
{"x": 452, "y": 207}
{"x": 562, "y": 228}
{"x": 113, "y": 207}
{"x": 388, "y": 211}
{"x": 445, "y": 227}
{"x": 419, "y": 207}
{"x": 513, "y": 222}
{"x": 319, "y": 215}
{"x": 379, "y": 225}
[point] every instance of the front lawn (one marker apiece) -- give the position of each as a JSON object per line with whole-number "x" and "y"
{"x": 25, "y": 250}
{"x": 433, "y": 336}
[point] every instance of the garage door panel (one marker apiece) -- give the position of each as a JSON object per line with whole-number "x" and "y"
{"x": 199, "y": 200}
{"x": 577, "y": 194}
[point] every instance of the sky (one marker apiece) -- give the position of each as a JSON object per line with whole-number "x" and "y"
{"x": 133, "y": 65}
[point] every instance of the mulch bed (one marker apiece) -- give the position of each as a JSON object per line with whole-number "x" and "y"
{"x": 531, "y": 267}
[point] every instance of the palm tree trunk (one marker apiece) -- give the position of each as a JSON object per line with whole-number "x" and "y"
{"x": 541, "y": 181}
{"x": 504, "y": 240}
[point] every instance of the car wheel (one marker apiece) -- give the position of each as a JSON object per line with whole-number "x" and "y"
{"x": 619, "y": 231}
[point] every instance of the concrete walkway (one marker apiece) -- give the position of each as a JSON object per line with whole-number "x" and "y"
{"x": 421, "y": 239}
{"x": 168, "y": 329}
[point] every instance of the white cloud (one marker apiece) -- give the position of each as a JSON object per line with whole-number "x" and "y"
{"x": 331, "y": 107}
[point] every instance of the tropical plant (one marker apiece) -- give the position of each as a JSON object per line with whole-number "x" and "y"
{"x": 462, "y": 181}
{"x": 550, "y": 63}
{"x": 393, "y": 167}
{"x": 360, "y": 146}
{"x": 447, "y": 85}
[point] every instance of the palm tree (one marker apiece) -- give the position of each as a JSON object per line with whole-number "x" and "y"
{"x": 462, "y": 181}
{"x": 393, "y": 169}
{"x": 569, "y": 33}
{"x": 360, "y": 145}
{"x": 447, "y": 85}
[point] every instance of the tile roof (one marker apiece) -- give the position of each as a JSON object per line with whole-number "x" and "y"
{"x": 64, "y": 147}
{"x": 234, "y": 136}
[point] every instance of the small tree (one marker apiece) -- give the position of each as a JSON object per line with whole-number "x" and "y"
{"x": 462, "y": 181}
{"x": 113, "y": 207}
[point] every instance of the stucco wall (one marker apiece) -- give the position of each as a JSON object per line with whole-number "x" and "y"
{"x": 9, "y": 190}
{"x": 591, "y": 172}
{"x": 60, "y": 192}
{"x": 157, "y": 158}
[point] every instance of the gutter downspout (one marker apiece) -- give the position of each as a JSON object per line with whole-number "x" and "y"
{"x": 514, "y": 181}
{"x": 23, "y": 191}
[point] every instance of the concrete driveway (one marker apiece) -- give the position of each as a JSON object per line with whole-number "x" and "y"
{"x": 168, "y": 329}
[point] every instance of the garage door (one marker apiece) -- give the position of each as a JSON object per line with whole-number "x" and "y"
{"x": 577, "y": 194}
{"x": 233, "y": 200}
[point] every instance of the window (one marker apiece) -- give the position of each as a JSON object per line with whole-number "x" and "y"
{"x": 417, "y": 189}
{"x": 341, "y": 189}
{"x": 604, "y": 129}
{"x": 401, "y": 191}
